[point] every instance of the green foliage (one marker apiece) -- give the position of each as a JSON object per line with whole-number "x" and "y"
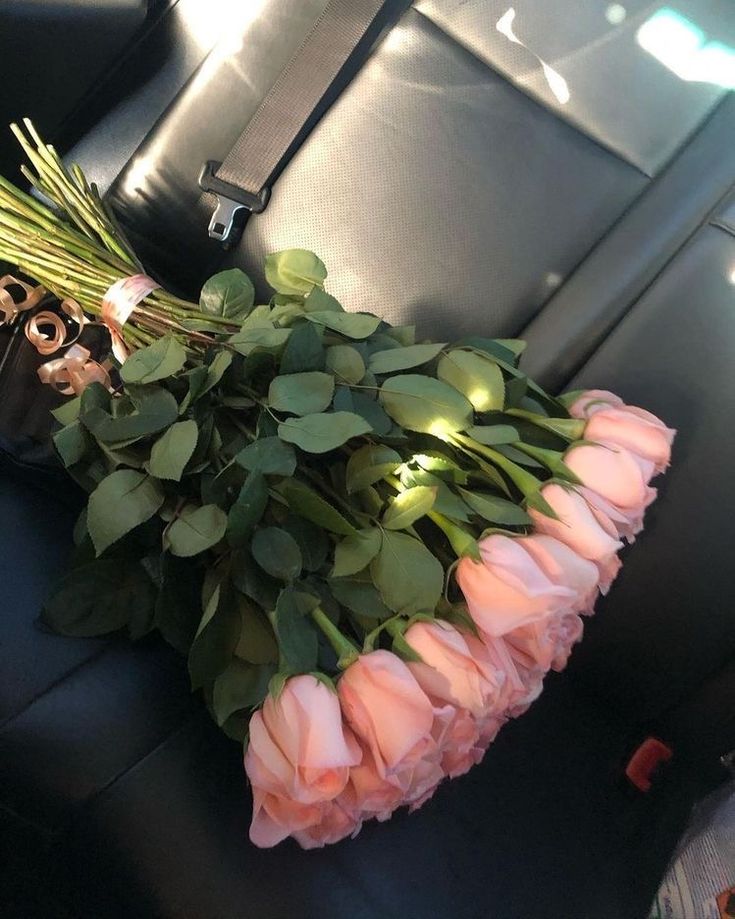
{"x": 244, "y": 495}
{"x": 173, "y": 450}
{"x": 423, "y": 404}
{"x": 353, "y": 553}
{"x": 474, "y": 375}
{"x": 345, "y": 363}
{"x": 301, "y": 393}
{"x": 351, "y": 325}
{"x": 156, "y": 362}
{"x": 370, "y": 464}
{"x": 403, "y": 358}
{"x": 102, "y": 597}
{"x": 122, "y": 501}
{"x": 408, "y": 576}
{"x": 408, "y": 506}
{"x": 305, "y": 502}
{"x": 195, "y": 529}
{"x": 322, "y": 432}
{"x": 294, "y": 271}
{"x": 229, "y": 294}
{"x": 277, "y": 553}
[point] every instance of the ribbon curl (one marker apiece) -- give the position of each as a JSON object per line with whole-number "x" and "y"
{"x": 46, "y": 344}
{"x": 8, "y": 307}
{"x": 76, "y": 370}
{"x": 73, "y": 372}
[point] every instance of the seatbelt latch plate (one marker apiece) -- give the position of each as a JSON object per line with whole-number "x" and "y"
{"x": 230, "y": 201}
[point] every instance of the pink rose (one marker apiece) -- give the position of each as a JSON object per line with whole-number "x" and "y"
{"x": 589, "y": 532}
{"x": 395, "y": 720}
{"x": 457, "y": 673}
{"x": 369, "y": 794}
{"x": 336, "y": 822}
{"x": 545, "y": 646}
{"x": 610, "y": 420}
{"x": 508, "y": 588}
{"x": 563, "y": 565}
{"x": 298, "y": 759}
{"x": 521, "y": 687}
{"x": 450, "y": 671}
{"x": 619, "y": 478}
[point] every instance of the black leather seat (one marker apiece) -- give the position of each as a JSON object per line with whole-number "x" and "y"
{"x": 452, "y": 186}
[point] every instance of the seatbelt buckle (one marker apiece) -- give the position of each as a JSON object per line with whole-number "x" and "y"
{"x": 231, "y": 200}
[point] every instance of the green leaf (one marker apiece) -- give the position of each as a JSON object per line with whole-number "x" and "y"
{"x": 301, "y": 393}
{"x": 351, "y": 325}
{"x": 515, "y": 345}
{"x": 311, "y": 540}
{"x": 494, "y": 509}
{"x": 359, "y": 594}
{"x": 294, "y": 271}
{"x": 121, "y": 502}
{"x": 216, "y": 370}
{"x": 494, "y": 434}
{"x": 257, "y": 642}
{"x": 345, "y": 362}
{"x": 250, "y": 579}
{"x": 320, "y": 433}
{"x": 360, "y": 403}
{"x": 216, "y": 637}
{"x": 178, "y": 605}
{"x": 403, "y": 334}
{"x": 100, "y": 597}
{"x": 229, "y": 294}
{"x": 248, "y": 509}
{"x": 72, "y": 442}
{"x": 240, "y": 686}
{"x": 408, "y": 576}
{"x": 269, "y": 455}
{"x": 297, "y": 636}
{"x": 304, "y": 349}
{"x": 162, "y": 359}
{"x": 408, "y": 506}
{"x": 515, "y": 391}
{"x": 476, "y": 377}
{"x": 490, "y": 346}
{"x": 68, "y": 411}
{"x": 195, "y": 530}
{"x": 173, "y": 450}
{"x": 403, "y": 358}
{"x": 353, "y": 553}
{"x": 259, "y": 338}
{"x": 432, "y": 461}
{"x": 277, "y": 553}
{"x": 517, "y": 456}
{"x": 195, "y": 379}
{"x": 156, "y": 410}
{"x": 319, "y": 301}
{"x": 423, "y": 404}
{"x": 370, "y": 464}
{"x": 305, "y": 502}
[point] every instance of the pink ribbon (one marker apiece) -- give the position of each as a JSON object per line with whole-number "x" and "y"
{"x": 46, "y": 344}
{"x": 73, "y": 372}
{"x": 117, "y": 305}
{"x": 8, "y": 307}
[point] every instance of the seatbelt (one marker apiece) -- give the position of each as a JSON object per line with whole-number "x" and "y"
{"x": 242, "y": 181}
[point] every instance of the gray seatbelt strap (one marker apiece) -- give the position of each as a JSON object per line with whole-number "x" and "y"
{"x": 242, "y": 180}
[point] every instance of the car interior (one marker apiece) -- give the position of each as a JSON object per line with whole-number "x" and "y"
{"x": 555, "y": 171}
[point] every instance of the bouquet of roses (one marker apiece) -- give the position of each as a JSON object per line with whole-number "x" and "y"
{"x": 371, "y": 549}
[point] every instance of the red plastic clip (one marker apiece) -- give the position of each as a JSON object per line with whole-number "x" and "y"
{"x": 644, "y": 762}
